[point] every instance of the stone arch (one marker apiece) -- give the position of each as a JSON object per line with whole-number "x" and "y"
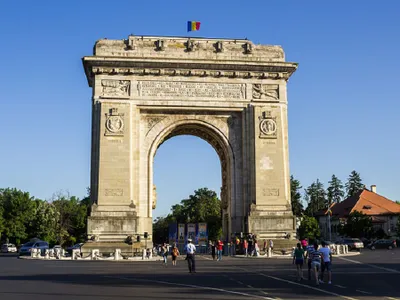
{"x": 209, "y": 129}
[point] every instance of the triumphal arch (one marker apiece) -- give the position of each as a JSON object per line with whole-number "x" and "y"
{"x": 229, "y": 92}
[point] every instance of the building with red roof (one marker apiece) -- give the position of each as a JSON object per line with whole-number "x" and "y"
{"x": 383, "y": 212}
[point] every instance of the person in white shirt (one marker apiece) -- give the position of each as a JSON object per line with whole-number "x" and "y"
{"x": 190, "y": 253}
{"x": 327, "y": 261}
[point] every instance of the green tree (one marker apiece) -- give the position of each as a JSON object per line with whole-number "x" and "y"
{"x": 43, "y": 222}
{"x": 1, "y": 221}
{"x": 354, "y": 184}
{"x": 358, "y": 225}
{"x": 335, "y": 190}
{"x": 71, "y": 219}
{"x": 18, "y": 211}
{"x": 202, "y": 206}
{"x": 295, "y": 197}
{"x": 309, "y": 228}
{"x": 315, "y": 196}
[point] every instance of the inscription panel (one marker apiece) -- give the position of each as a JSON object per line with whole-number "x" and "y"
{"x": 175, "y": 89}
{"x": 114, "y": 192}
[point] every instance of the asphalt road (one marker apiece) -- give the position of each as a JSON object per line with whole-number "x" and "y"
{"x": 371, "y": 275}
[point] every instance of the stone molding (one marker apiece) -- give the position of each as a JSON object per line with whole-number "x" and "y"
{"x": 188, "y": 73}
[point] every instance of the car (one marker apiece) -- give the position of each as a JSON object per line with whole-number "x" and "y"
{"x": 8, "y": 248}
{"x": 57, "y": 248}
{"x": 76, "y": 246}
{"x": 383, "y": 244}
{"x": 353, "y": 243}
{"x": 26, "y": 249}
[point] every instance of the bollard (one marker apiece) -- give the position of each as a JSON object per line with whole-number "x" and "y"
{"x": 269, "y": 252}
{"x": 151, "y": 254}
{"x": 337, "y": 249}
{"x": 94, "y": 253}
{"x": 33, "y": 252}
{"x": 117, "y": 254}
{"x": 144, "y": 254}
{"x": 46, "y": 254}
{"x": 346, "y": 247}
{"x": 75, "y": 254}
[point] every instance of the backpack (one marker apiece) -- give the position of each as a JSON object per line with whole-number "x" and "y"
{"x": 175, "y": 252}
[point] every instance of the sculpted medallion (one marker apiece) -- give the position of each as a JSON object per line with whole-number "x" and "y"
{"x": 114, "y": 123}
{"x": 268, "y": 126}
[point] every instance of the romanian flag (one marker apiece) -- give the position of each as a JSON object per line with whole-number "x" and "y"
{"x": 193, "y": 26}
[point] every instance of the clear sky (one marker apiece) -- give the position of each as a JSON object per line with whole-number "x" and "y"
{"x": 343, "y": 100}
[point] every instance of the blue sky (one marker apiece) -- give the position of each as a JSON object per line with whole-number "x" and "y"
{"x": 343, "y": 100}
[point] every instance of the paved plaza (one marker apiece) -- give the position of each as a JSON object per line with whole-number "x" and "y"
{"x": 371, "y": 275}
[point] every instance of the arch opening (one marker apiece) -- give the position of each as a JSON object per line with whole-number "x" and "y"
{"x": 220, "y": 144}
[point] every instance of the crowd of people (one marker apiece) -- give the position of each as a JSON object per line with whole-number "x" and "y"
{"x": 318, "y": 259}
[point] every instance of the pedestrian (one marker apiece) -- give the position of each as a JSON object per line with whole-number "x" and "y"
{"x": 298, "y": 258}
{"x": 315, "y": 261}
{"x": 220, "y": 246}
{"x": 213, "y": 249}
{"x": 190, "y": 254}
{"x": 265, "y": 246}
{"x": 174, "y": 254}
{"x": 271, "y": 245}
{"x": 256, "y": 248}
{"x": 309, "y": 249}
{"x": 304, "y": 244}
{"x": 245, "y": 247}
{"x": 250, "y": 243}
{"x": 326, "y": 262}
{"x": 164, "y": 253}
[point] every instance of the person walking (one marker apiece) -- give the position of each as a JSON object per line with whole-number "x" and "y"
{"x": 326, "y": 262}
{"x": 213, "y": 250}
{"x": 174, "y": 254}
{"x": 220, "y": 246}
{"x": 315, "y": 261}
{"x": 298, "y": 258}
{"x": 271, "y": 245}
{"x": 190, "y": 253}
{"x": 309, "y": 249}
{"x": 245, "y": 248}
{"x": 164, "y": 253}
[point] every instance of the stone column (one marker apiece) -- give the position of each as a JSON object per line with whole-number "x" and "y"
{"x": 270, "y": 213}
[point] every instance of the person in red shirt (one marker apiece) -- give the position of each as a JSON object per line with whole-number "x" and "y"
{"x": 220, "y": 245}
{"x": 245, "y": 247}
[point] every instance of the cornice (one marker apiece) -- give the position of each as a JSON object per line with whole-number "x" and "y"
{"x": 110, "y": 66}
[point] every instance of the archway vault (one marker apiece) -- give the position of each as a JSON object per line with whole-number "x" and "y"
{"x": 201, "y": 127}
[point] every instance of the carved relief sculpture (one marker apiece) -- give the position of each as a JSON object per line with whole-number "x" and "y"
{"x": 114, "y": 123}
{"x": 268, "y": 126}
{"x": 115, "y": 88}
{"x": 266, "y": 91}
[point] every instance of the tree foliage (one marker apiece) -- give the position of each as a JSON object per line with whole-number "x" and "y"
{"x": 358, "y": 225}
{"x": 295, "y": 197}
{"x": 202, "y": 206}
{"x": 61, "y": 221}
{"x": 335, "y": 190}
{"x": 309, "y": 228}
{"x": 315, "y": 197}
{"x": 354, "y": 184}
